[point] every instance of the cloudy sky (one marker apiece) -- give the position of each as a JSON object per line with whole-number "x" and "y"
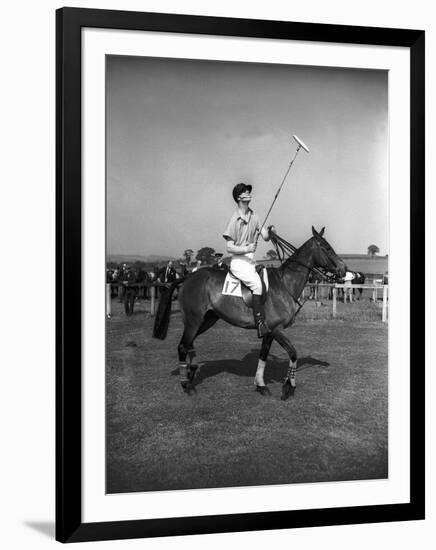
{"x": 182, "y": 133}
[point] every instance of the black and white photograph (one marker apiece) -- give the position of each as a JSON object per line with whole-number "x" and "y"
{"x": 247, "y": 274}
{"x": 218, "y": 302}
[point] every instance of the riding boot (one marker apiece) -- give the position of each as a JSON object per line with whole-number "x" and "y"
{"x": 259, "y": 316}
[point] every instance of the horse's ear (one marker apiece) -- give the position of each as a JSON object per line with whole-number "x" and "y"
{"x": 314, "y": 233}
{"x": 321, "y": 233}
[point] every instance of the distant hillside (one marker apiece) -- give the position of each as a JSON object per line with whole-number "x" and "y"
{"x": 131, "y": 258}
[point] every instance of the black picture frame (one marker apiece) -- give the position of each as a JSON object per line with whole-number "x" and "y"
{"x": 69, "y": 22}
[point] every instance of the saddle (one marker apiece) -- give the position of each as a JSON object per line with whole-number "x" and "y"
{"x": 235, "y": 287}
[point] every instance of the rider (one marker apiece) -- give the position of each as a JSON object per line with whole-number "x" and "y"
{"x": 241, "y": 236}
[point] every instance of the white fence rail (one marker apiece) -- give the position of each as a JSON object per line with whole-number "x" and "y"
{"x": 319, "y": 290}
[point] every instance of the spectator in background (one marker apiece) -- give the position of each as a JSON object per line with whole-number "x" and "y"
{"x": 348, "y": 283}
{"x": 219, "y": 264}
{"x": 386, "y": 278}
{"x": 167, "y": 274}
{"x": 183, "y": 269}
{"x": 121, "y": 277}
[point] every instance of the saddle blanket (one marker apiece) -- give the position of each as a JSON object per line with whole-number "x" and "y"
{"x": 233, "y": 287}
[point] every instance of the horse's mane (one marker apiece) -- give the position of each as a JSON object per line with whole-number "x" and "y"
{"x": 291, "y": 260}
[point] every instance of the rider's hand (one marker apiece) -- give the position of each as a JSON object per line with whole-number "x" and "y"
{"x": 251, "y": 247}
{"x": 271, "y": 229}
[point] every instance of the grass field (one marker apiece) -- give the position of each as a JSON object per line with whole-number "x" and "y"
{"x": 158, "y": 438}
{"x": 357, "y": 311}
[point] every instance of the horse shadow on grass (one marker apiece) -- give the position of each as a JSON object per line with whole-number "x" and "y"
{"x": 275, "y": 370}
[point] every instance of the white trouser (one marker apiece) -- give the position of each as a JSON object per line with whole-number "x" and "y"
{"x": 245, "y": 269}
{"x": 348, "y": 290}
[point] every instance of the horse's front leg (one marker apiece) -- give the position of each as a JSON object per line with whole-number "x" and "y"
{"x": 289, "y": 384}
{"x": 259, "y": 381}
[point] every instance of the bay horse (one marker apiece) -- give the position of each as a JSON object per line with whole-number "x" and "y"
{"x": 202, "y": 304}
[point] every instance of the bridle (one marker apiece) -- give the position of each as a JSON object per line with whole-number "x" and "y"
{"x": 285, "y": 248}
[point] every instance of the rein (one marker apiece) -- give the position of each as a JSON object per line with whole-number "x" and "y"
{"x": 285, "y": 248}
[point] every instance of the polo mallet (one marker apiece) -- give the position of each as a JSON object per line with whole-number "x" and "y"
{"x": 301, "y": 145}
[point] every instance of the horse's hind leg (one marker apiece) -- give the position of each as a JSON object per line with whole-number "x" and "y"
{"x": 185, "y": 348}
{"x": 263, "y": 355}
{"x": 187, "y": 369}
{"x": 208, "y": 321}
{"x": 289, "y": 384}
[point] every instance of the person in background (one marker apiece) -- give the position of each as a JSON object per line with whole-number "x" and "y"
{"x": 167, "y": 274}
{"x": 121, "y": 278}
{"x": 183, "y": 269}
{"x": 123, "y": 272}
{"x": 197, "y": 266}
{"x": 219, "y": 264}
{"x": 348, "y": 283}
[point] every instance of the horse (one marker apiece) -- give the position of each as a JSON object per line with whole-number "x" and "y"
{"x": 202, "y": 304}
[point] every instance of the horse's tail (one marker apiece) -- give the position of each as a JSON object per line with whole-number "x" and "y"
{"x": 163, "y": 314}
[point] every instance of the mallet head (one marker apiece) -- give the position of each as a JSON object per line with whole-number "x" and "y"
{"x": 301, "y": 143}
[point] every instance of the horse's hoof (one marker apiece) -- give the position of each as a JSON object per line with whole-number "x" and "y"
{"x": 263, "y": 390}
{"x": 287, "y": 390}
{"x": 187, "y": 387}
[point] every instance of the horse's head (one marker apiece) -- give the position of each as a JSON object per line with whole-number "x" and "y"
{"x": 324, "y": 256}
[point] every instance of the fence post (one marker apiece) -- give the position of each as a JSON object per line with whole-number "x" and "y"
{"x": 108, "y": 299}
{"x": 152, "y": 300}
{"x": 335, "y": 293}
{"x": 385, "y": 303}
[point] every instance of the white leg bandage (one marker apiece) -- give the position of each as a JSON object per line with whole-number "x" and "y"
{"x": 183, "y": 372}
{"x": 292, "y": 372}
{"x": 258, "y": 379}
